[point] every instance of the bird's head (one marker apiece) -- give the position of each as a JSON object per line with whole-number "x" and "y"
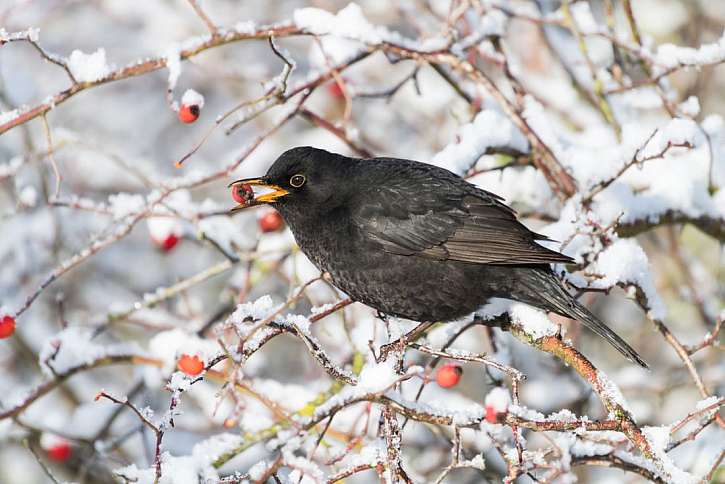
{"x": 302, "y": 178}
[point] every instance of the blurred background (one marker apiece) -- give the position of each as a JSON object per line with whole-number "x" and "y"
{"x": 115, "y": 145}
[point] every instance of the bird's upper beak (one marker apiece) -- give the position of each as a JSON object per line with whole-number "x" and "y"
{"x": 267, "y": 197}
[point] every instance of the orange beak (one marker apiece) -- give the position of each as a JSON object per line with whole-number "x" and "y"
{"x": 265, "y": 198}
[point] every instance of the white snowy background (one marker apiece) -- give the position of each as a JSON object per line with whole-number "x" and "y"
{"x": 599, "y": 121}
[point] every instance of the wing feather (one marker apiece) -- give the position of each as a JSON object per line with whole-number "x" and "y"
{"x": 439, "y": 215}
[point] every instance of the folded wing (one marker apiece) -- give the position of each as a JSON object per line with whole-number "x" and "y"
{"x": 445, "y": 218}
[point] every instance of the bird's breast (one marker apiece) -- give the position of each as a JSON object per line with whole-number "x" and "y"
{"x": 413, "y": 287}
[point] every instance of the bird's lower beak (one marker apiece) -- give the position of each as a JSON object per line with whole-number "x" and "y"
{"x": 267, "y": 197}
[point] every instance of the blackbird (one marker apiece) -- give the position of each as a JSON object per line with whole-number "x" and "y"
{"x": 414, "y": 240}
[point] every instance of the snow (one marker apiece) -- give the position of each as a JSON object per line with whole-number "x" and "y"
{"x": 533, "y": 321}
{"x": 246, "y": 27}
{"x": 625, "y": 262}
{"x": 32, "y": 34}
{"x": 349, "y": 22}
{"x": 88, "y": 67}
{"x": 659, "y": 438}
{"x": 28, "y": 196}
{"x": 173, "y": 64}
{"x": 75, "y": 346}
{"x": 670, "y": 55}
{"x": 124, "y": 204}
{"x": 611, "y": 391}
{"x": 588, "y": 448}
{"x": 346, "y": 33}
{"x": 305, "y": 471}
{"x": 677, "y": 131}
{"x": 174, "y": 470}
{"x": 705, "y": 403}
{"x": 115, "y": 148}
{"x": 690, "y": 107}
{"x": 542, "y": 124}
{"x": 489, "y": 129}
{"x": 7, "y": 116}
{"x": 256, "y": 310}
{"x": 584, "y": 19}
{"x": 49, "y": 440}
{"x": 169, "y": 345}
{"x": 179, "y": 382}
{"x": 160, "y": 228}
{"x": 257, "y": 471}
{"x": 498, "y": 399}
{"x": 192, "y": 98}
{"x": 378, "y": 377}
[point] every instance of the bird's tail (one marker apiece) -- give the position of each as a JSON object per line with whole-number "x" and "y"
{"x": 551, "y": 295}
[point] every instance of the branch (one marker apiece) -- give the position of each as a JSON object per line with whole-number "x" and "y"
{"x": 222, "y": 37}
{"x": 598, "y": 381}
{"x": 49, "y": 385}
{"x": 611, "y": 460}
{"x": 714, "y": 227}
{"x": 158, "y": 431}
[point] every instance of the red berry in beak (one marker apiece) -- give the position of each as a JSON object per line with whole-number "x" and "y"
{"x": 271, "y": 222}
{"x": 243, "y": 193}
{"x": 449, "y": 375}
{"x": 7, "y": 326}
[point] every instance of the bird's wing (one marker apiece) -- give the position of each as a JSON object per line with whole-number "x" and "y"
{"x": 448, "y": 219}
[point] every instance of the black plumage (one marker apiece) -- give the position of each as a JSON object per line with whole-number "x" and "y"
{"x": 416, "y": 241}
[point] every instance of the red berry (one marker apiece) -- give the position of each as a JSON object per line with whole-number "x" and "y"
{"x": 230, "y": 423}
{"x": 491, "y": 415}
{"x": 7, "y": 326}
{"x": 271, "y": 222}
{"x": 449, "y": 375}
{"x": 165, "y": 232}
{"x": 243, "y": 193}
{"x": 191, "y": 365}
{"x": 335, "y": 90}
{"x": 497, "y": 402}
{"x": 169, "y": 242}
{"x": 188, "y": 113}
{"x": 60, "y": 452}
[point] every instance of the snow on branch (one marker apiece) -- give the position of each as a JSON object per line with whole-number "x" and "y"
{"x": 218, "y": 353}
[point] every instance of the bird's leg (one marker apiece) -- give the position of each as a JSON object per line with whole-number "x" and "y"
{"x": 502, "y": 321}
{"x": 402, "y": 342}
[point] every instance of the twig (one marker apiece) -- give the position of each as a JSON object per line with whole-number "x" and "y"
{"x": 46, "y": 387}
{"x": 461, "y": 355}
{"x": 338, "y": 132}
{"x": 40, "y": 462}
{"x": 134, "y": 69}
{"x": 611, "y": 460}
{"x": 157, "y": 430}
{"x": 203, "y": 16}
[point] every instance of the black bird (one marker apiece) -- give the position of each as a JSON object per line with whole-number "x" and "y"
{"x": 414, "y": 240}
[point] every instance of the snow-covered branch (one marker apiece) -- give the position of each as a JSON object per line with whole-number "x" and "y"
{"x": 219, "y": 353}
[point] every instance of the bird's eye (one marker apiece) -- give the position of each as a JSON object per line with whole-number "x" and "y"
{"x": 297, "y": 180}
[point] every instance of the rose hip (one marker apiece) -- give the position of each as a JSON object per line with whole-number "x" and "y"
{"x": 243, "y": 193}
